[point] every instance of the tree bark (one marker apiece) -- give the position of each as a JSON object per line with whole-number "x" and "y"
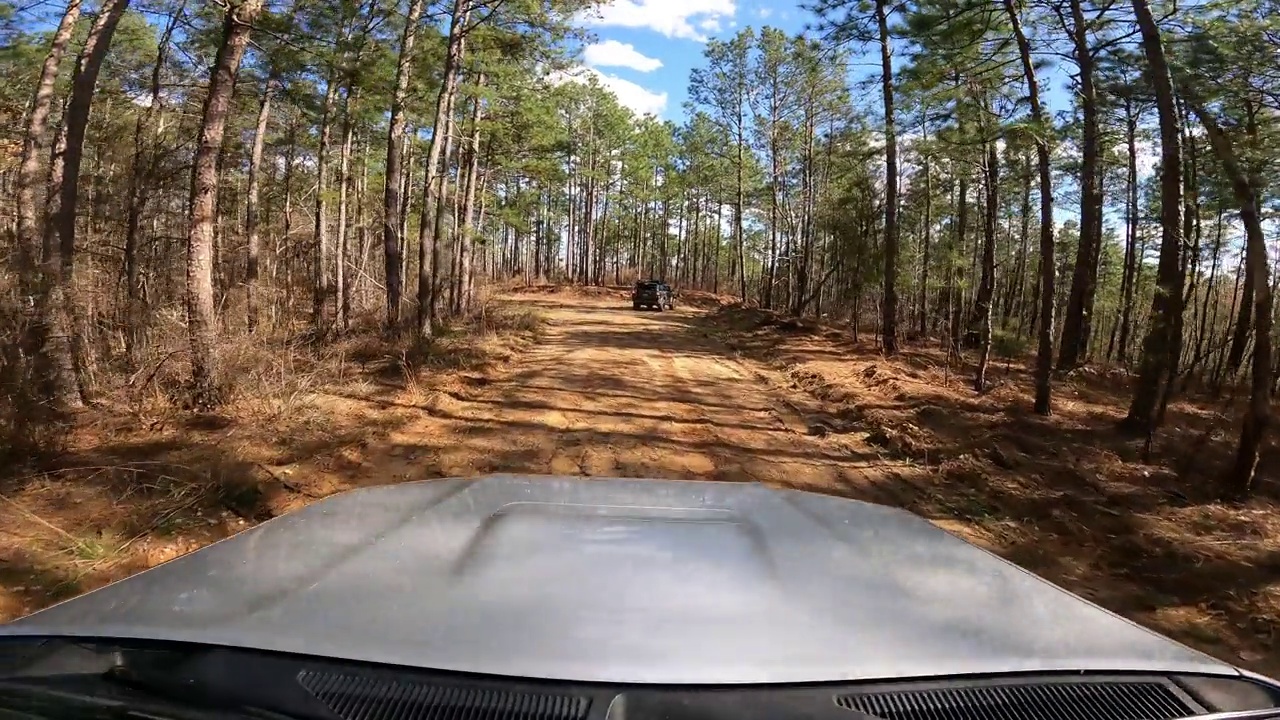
{"x": 406, "y": 209}
{"x": 35, "y": 146}
{"x": 63, "y": 347}
{"x": 444, "y": 219}
{"x": 1244, "y": 320}
{"x": 955, "y": 331}
{"x": 251, "y": 202}
{"x": 1238, "y": 484}
{"x": 986, "y": 290}
{"x": 469, "y": 202}
{"x": 433, "y": 189}
{"x": 358, "y": 281}
{"x": 392, "y": 230}
{"x": 1166, "y": 306}
{"x": 1025, "y": 236}
{"x": 739, "y": 205}
{"x": 1077, "y": 320}
{"x": 342, "y": 285}
{"x": 1198, "y": 355}
{"x": 926, "y": 242}
{"x": 201, "y": 320}
{"x": 285, "y": 299}
{"x": 1131, "y": 259}
{"x": 323, "y": 290}
{"x": 889, "y": 308}
{"x": 1048, "y": 268}
{"x": 143, "y": 165}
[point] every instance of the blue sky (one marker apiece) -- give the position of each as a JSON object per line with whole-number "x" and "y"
{"x": 645, "y": 49}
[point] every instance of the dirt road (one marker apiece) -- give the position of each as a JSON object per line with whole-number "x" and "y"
{"x": 605, "y": 391}
{"x": 610, "y": 391}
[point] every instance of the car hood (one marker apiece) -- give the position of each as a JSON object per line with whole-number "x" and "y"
{"x": 611, "y": 580}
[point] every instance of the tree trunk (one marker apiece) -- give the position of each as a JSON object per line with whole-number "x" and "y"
{"x": 35, "y": 145}
{"x": 1048, "y": 268}
{"x": 1244, "y": 320}
{"x": 1189, "y": 258}
{"x": 1025, "y": 236}
{"x": 468, "y": 207}
{"x": 889, "y": 308}
{"x": 1077, "y": 321}
{"x": 282, "y": 241}
{"x": 445, "y": 216}
{"x": 955, "y": 330}
{"x": 928, "y": 237}
{"x": 1166, "y": 305}
{"x": 251, "y": 202}
{"x": 135, "y": 316}
{"x": 1198, "y": 356}
{"x": 428, "y": 233}
{"x": 986, "y": 291}
{"x": 775, "y": 182}
{"x": 739, "y": 205}
{"x": 201, "y": 320}
{"x": 359, "y": 280}
{"x": 392, "y": 237}
{"x": 341, "y": 283}
{"x": 1238, "y": 484}
{"x": 63, "y": 346}
{"x": 1132, "y": 261}
{"x": 406, "y": 208}
{"x": 323, "y": 290}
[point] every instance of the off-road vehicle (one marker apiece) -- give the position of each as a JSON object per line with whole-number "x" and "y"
{"x": 652, "y": 293}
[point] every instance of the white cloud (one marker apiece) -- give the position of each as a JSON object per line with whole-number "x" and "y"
{"x": 764, "y": 12}
{"x": 612, "y": 53}
{"x": 710, "y": 24}
{"x": 672, "y": 18}
{"x": 640, "y": 100}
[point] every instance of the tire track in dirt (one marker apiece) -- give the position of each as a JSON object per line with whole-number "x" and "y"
{"x": 614, "y": 392}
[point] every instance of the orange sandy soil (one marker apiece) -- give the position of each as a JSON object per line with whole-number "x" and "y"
{"x": 573, "y": 381}
{"x": 1067, "y": 497}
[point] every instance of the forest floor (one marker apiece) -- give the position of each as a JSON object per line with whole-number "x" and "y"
{"x": 573, "y": 381}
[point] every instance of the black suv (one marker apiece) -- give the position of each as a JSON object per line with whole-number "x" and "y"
{"x": 652, "y": 293}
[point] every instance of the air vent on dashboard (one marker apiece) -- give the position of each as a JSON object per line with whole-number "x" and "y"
{"x": 1039, "y": 701}
{"x": 355, "y": 697}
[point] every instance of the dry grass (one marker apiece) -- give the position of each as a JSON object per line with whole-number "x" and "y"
{"x": 1068, "y": 497}
{"x": 138, "y": 480}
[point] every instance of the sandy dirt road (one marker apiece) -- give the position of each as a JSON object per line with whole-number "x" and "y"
{"x": 606, "y": 391}
{"x": 610, "y": 391}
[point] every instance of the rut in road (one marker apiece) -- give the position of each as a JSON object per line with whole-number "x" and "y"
{"x": 614, "y": 392}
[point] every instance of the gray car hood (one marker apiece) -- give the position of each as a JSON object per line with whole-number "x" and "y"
{"x": 634, "y": 581}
